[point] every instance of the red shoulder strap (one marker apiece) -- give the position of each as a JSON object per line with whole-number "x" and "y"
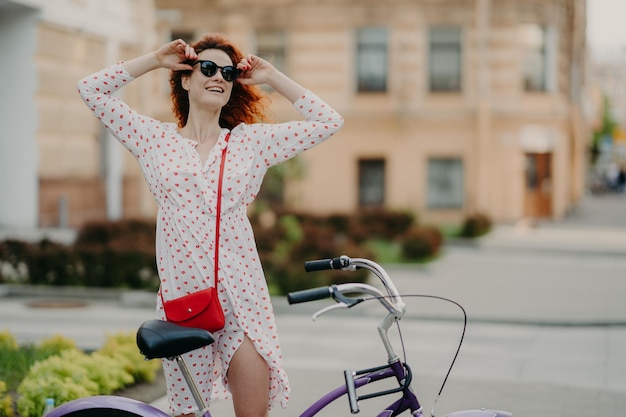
{"x": 218, "y": 213}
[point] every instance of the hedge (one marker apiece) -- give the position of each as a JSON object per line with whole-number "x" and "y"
{"x": 122, "y": 254}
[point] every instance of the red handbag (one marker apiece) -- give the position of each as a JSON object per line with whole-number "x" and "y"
{"x": 202, "y": 309}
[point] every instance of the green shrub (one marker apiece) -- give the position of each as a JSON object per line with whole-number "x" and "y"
{"x": 475, "y": 225}
{"x": 39, "y": 377}
{"x": 421, "y": 242}
{"x": 60, "y": 377}
{"x": 303, "y": 237}
{"x": 105, "y": 254}
{"x": 381, "y": 223}
{"x": 118, "y": 254}
{"x": 15, "y": 361}
{"x": 105, "y": 371}
{"x": 7, "y": 342}
{"x": 54, "y": 345}
{"x": 69, "y": 373}
{"x": 122, "y": 348}
{"x": 12, "y": 261}
{"x": 55, "y": 368}
{"x": 52, "y": 264}
{"x": 6, "y": 401}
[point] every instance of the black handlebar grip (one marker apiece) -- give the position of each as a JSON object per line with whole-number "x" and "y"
{"x": 312, "y": 294}
{"x": 324, "y": 264}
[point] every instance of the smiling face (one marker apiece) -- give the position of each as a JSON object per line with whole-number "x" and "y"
{"x": 211, "y": 91}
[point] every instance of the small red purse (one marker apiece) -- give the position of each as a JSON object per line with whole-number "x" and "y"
{"x": 202, "y": 309}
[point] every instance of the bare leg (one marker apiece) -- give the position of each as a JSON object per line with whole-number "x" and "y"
{"x": 249, "y": 380}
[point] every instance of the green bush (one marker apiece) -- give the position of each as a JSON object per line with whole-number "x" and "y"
{"x": 60, "y": 377}
{"x": 123, "y": 348}
{"x": 8, "y": 349}
{"x": 106, "y": 254}
{"x": 54, "y": 345}
{"x": 6, "y": 401}
{"x": 118, "y": 254}
{"x": 421, "y": 242}
{"x": 475, "y": 225}
{"x": 121, "y": 254}
{"x": 293, "y": 238}
{"x": 52, "y": 264}
{"x": 12, "y": 261}
{"x": 383, "y": 223}
{"x": 15, "y": 361}
{"x": 55, "y": 368}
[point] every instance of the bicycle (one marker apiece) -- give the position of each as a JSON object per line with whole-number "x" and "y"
{"x": 160, "y": 339}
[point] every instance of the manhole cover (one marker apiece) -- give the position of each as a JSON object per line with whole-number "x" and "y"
{"x": 56, "y": 304}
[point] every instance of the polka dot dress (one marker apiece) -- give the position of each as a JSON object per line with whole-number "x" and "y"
{"x": 185, "y": 189}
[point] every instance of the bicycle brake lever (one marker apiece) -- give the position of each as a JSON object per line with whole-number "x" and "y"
{"x": 329, "y": 308}
{"x": 342, "y": 302}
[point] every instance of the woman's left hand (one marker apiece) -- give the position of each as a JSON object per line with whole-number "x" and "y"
{"x": 254, "y": 70}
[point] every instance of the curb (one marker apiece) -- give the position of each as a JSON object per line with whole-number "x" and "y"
{"x": 126, "y": 298}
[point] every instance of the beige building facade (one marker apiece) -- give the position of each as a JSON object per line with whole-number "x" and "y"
{"x": 451, "y": 106}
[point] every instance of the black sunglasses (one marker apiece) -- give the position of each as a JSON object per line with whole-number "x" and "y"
{"x": 209, "y": 68}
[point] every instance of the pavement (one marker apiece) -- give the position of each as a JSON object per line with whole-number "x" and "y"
{"x": 546, "y": 329}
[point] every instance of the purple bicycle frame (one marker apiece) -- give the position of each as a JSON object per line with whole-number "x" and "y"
{"x": 408, "y": 401}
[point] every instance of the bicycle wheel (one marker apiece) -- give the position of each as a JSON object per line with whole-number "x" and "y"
{"x": 106, "y": 406}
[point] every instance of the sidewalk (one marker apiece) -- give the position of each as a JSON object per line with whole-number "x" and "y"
{"x": 596, "y": 226}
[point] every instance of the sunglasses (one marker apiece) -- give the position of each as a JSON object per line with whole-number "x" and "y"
{"x": 209, "y": 69}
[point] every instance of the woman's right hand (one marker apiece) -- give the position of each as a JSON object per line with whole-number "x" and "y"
{"x": 172, "y": 55}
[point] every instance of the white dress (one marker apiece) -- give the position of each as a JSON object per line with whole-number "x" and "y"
{"x": 185, "y": 190}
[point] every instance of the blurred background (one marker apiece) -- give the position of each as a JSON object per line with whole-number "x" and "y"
{"x": 514, "y": 109}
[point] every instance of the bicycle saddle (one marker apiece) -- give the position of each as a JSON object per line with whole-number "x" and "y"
{"x": 162, "y": 339}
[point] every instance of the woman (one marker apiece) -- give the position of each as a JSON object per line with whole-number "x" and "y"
{"x": 217, "y": 103}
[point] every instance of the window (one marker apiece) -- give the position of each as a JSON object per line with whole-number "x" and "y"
{"x": 444, "y": 58}
{"x": 371, "y": 182}
{"x": 445, "y": 183}
{"x": 538, "y": 44}
{"x": 371, "y": 60}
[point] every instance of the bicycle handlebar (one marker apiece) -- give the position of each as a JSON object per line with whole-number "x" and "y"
{"x": 324, "y": 264}
{"x": 392, "y": 301}
{"x": 312, "y": 294}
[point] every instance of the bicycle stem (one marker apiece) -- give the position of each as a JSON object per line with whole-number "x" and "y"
{"x": 394, "y": 304}
{"x": 383, "y": 327}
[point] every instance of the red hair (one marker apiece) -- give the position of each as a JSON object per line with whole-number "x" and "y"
{"x": 246, "y": 103}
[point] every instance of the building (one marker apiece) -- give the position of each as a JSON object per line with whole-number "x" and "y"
{"x": 57, "y": 168}
{"x": 451, "y": 106}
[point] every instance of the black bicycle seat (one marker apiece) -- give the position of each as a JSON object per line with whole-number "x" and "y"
{"x": 162, "y": 339}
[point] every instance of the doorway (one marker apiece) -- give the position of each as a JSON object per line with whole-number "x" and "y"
{"x": 538, "y": 185}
